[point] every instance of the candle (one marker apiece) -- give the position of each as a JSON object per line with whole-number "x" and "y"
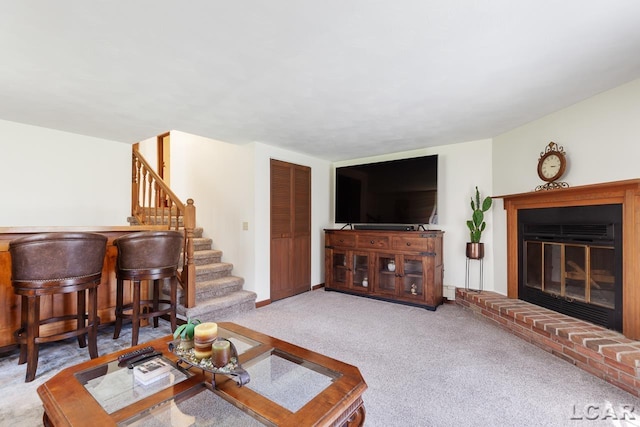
{"x": 204, "y": 334}
{"x": 207, "y": 331}
{"x": 221, "y": 353}
{"x": 201, "y": 353}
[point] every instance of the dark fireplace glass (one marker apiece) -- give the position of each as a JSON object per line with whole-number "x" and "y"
{"x": 602, "y": 275}
{"x": 570, "y": 261}
{"x": 576, "y": 272}
{"x": 533, "y": 266}
{"x": 552, "y": 268}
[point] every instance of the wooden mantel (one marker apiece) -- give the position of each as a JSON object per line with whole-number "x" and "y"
{"x": 626, "y": 193}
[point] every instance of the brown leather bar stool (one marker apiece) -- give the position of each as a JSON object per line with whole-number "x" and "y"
{"x": 147, "y": 255}
{"x": 49, "y": 264}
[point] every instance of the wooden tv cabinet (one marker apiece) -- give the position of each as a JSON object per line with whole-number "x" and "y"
{"x": 398, "y": 266}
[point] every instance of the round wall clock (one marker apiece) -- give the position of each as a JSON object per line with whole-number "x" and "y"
{"x": 551, "y": 166}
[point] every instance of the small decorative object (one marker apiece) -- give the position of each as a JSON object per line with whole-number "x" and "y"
{"x": 475, "y": 249}
{"x": 391, "y": 266}
{"x": 204, "y": 336}
{"x": 222, "y": 349}
{"x": 365, "y": 282}
{"x": 221, "y": 353}
{"x": 414, "y": 289}
{"x": 551, "y": 166}
{"x": 151, "y": 371}
{"x": 186, "y": 332}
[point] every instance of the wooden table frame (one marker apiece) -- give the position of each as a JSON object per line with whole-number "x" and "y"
{"x": 67, "y": 403}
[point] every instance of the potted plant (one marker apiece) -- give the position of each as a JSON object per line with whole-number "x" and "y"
{"x": 186, "y": 332}
{"x": 475, "y": 249}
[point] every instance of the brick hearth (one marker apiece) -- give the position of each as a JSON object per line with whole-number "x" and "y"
{"x": 602, "y": 352}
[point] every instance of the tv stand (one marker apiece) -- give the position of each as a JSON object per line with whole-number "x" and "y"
{"x": 388, "y": 227}
{"x": 398, "y": 266}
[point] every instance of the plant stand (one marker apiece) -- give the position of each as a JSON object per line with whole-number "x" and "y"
{"x": 466, "y": 282}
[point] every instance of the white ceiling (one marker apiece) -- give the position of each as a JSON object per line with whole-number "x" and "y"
{"x": 335, "y": 79}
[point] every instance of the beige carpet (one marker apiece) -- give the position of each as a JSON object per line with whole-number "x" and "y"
{"x": 423, "y": 368}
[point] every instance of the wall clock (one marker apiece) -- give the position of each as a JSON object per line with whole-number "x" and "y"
{"x": 551, "y": 166}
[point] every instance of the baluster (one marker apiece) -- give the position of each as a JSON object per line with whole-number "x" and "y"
{"x": 189, "y": 268}
{"x": 143, "y": 214}
{"x": 156, "y": 195}
{"x": 149, "y": 197}
{"x": 135, "y": 170}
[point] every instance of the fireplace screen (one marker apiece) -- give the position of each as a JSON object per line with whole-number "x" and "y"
{"x": 572, "y": 271}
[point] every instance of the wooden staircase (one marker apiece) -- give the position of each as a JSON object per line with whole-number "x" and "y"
{"x": 218, "y": 294}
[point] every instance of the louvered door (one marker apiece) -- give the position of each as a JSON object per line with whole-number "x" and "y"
{"x": 290, "y": 229}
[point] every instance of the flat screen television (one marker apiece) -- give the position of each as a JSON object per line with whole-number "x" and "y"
{"x": 395, "y": 192}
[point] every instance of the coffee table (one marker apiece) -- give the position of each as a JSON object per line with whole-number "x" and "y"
{"x": 289, "y": 386}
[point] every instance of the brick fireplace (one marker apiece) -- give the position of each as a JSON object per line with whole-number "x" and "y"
{"x": 607, "y": 354}
{"x": 623, "y": 196}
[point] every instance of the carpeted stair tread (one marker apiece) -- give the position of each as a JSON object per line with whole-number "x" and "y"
{"x": 218, "y": 287}
{"x": 218, "y": 293}
{"x": 202, "y": 243}
{"x": 207, "y": 256}
{"x": 217, "y": 309}
{"x": 213, "y": 271}
{"x": 204, "y": 257}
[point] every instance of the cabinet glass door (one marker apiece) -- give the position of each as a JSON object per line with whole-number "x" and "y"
{"x": 413, "y": 278}
{"x": 340, "y": 268}
{"x": 386, "y": 274}
{"x": 360, "y": 272}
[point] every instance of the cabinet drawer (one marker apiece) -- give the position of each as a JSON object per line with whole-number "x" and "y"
{"x": 373, "y": 242}
{"x": 401, "y": 243}
{"x": 340, "y": 240}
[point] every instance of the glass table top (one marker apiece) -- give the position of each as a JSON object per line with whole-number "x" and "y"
{"x": 197, "y": 407}
{"x": 280, "y": 377}
{"x": 114, "y": 387}
{"x": 287, "y": 380}
{"x": 277, "y": 376}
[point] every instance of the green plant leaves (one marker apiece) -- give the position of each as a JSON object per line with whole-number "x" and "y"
{"x": 186, "y": 330}
{"x": 486, "y": 204}
{"x": 476, "y": 224}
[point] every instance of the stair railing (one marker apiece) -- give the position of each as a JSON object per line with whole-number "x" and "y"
{"x": 153, "y": 203}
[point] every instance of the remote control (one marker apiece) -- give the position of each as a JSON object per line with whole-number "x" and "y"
{"x": 142, "y": 358}
{"x": 124, "y": 358}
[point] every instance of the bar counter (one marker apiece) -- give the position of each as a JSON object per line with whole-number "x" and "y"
{"x": 58, "y": 304}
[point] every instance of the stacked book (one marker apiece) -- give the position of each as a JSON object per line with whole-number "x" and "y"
{"x": 151, "y": 370}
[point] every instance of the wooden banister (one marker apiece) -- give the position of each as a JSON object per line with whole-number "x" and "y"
{"x": 153, "y": 203}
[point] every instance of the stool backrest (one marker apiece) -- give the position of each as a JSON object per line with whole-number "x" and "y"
{"x": 57, "y": 257}
{"x": 149, "y": 250}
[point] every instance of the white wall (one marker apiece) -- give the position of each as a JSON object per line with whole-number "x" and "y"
{"x": 230, "y": 186}
{"x": 460, "y": 168}
{"x": 54, "y": 178}
{"x": 601, "y": 137}
{"x": 218, "y": 176}
{"x": 230, "y": 183}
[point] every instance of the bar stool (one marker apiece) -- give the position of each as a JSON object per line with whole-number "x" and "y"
{"x": 49, "y": 264}
{"x": 147, "y": 255}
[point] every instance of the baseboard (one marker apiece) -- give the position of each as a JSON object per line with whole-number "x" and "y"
{"x": 262, "y": 303}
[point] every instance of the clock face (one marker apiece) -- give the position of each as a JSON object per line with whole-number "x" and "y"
{"x": 551, "y": 166}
